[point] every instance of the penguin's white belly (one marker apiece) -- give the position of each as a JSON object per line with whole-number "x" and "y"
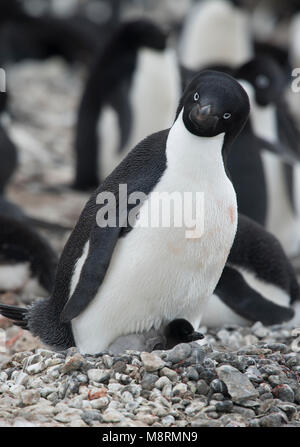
{"x": 14, "y": 276}
{"x": 281, "y": 219}
{"x": 157, "y": 274}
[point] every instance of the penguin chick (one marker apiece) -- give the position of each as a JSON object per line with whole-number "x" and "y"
{"x": 175, "y": 332}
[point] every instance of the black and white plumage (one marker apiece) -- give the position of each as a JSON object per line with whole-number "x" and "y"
{"x": 278, "y": 146}
{"x": 113, "y": 281}
{"x": 132, "y": 91}
{"x": 257, "y": 284}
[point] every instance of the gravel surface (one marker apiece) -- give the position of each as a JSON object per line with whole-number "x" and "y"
{"x": 238, "y": 377}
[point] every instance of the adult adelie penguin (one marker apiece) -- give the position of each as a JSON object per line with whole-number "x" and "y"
{"x": 216, "y": 32}
{"x": 132, "y": 91}
{"x": 257, "y": 284}
{"x": 278, "y": 145}
{"x": 113, "y": 281}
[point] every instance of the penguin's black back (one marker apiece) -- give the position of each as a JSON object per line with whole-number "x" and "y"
{"x": 246, "y": 171}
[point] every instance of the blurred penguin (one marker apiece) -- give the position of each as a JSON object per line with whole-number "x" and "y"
{"x": 132, "y": 91}
{"x": 257, "y": 284}
{"x": 279, "y": 146}
{"x": 215, "y": 31}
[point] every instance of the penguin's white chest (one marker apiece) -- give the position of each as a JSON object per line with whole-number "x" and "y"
{"x": 160, "y": 273}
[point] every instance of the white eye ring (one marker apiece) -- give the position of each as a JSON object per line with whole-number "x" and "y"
{"x": 227, "y": 115}
{"x": 196, "y": 96}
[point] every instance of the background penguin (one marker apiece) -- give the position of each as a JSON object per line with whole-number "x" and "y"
{"x": 257, "y": 284}
{"x": 8, "y": 151}
{"x": 131, "y": 92}
{"x": 24, "y": 36}
{"x": 95, "y": 282}
{"x": 26, "y": 259}
{"x": 273, "y": 124}
{"x": 175, "y": 332}
{"x": 215, "y": 31}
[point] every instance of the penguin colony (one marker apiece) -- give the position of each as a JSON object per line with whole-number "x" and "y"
{"x": 203, "y": 103}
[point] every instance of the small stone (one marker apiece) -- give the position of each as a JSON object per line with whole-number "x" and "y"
{"x": 30, "y": 397}
{"x": 108, "y": 361}
{"x": 89, "y": 416}
{"x": 151, "y": 362}
{"x": 161, "y": 382}
{"x": 179, "y": 389}
{"x": 20, "y": 378}
{"x": 271, "y": 420}
{"x": 218, "y": 386}
{"x": 73, "y": 363}
{"x": 35, "y": 368}
{"x": 195, "y": 407}
{"x": 179, "y": 353}
{"x": 148, "y": 382}
{"x": 168, "y": 420}
{"x": 112, "y": 416}
{"x": 192, "y": 373}
{"x": 238, "y": 385}
{"x": 202, "y": 387}
{"x": 170, "y": 373}
{"x": 126, "y": 397}
{"x": 119, "y": 366}
{"x": 284, "y": 392}
{"x": 98, "y": 404}
{"x": 98, "y": 375}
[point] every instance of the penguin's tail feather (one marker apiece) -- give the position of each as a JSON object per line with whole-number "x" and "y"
{"x": 19, "y": 315}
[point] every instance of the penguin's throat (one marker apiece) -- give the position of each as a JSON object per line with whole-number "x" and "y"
{"x": 193, "y": 154}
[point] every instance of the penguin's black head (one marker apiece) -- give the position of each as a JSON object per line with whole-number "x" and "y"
{"x": 144, "y": 33}
{"x": 265, "y": 76}
{"x": 181, "y": 331}
{"x": 214, "y": 103}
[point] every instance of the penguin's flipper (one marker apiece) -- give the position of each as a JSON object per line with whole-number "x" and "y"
{"x": 233, "y": 290}
{"x": 102, "y": 244}
{"x": 17, "y": 314}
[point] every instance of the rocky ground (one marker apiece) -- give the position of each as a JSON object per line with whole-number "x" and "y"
{"x": 235, "y": 377}
{"x": 240, "y": 377}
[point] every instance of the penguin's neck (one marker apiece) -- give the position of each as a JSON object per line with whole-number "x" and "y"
{"x": 193, "y": 155}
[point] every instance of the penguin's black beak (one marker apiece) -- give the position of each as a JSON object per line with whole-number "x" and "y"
{"x": 203, "y": 117}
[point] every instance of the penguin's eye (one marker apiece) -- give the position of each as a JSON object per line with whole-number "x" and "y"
{"x": 227, "y": 115}
{"x": 262, "y": 81}
{"x": 196, "y": 96}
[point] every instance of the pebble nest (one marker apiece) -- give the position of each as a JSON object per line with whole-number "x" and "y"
{"x": 236, "y": 377}
{"x": 239, "y": 377}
